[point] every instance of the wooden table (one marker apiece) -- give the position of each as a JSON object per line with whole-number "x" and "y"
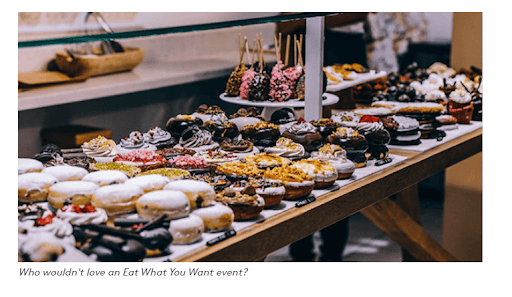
{"x": 369, "y": 196}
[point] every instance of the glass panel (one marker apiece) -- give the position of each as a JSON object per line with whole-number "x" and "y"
{"x": 172, "y": 30}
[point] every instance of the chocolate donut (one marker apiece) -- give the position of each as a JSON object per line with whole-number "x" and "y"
{"x": 222, "y": 131}
{"x": 176, "y": 125}
{"x": 262, "y": 134}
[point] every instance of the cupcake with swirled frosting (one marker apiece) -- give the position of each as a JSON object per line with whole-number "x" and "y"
{"x": 158, "y": 137}
{"x": 99, "y": 147}
{"x": 82, "y": 214}
{"x": 460, "y": 106}
{"x": 337, "y": 157}
{"x": 196, "y": 139}
{"x": 306, "y": 134}
{"x": 48, "y": 223}
{"x": 135, "y": 141}
{"x": 376, "y": 135}
{"x": 437, "y": 96}
{"x": 285, "y": 147}
{"x": 353, "y": 142}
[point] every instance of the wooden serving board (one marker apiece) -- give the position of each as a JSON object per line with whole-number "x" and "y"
{"x": 44, "y": 78}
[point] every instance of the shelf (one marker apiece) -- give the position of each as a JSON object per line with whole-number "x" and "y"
{"x": 146, "y": 76}
{"x": 361, "y": 78}
{"x": 330, "y": 99}
{"x": 173, "y": 30}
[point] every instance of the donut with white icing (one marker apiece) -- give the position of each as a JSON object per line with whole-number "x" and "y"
{"x": 216, "y": 217}
{"x": 106, "y": 177}
{"x": 150, "y": 182}
{"x": 34, "y": 186}
{"x": 66, "y": 172}
{"x": 199, "y": 193}
{"x": 174, "y": 204}
{"x": 186, "y": 230}
{"x": 26, "y": 165}
{"x": 79, "y": 192}
{"x": 117, "y": 199}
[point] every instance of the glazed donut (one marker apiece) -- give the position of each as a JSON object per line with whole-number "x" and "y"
{"x": 199, "y": 193}
{"x": 186, "y": 230}
{"x": 26, "y": 165}
{"x": 117, "y": 199}
{"x": 216, "y": 217}
{"x": 106, "y": 177}
{"x": 33, "y": 187}
{"x": 78, "y": 192}
{"x": 148, "y": 183}
{"x": 173, "y": 204}
{"x": 66, "y": 172}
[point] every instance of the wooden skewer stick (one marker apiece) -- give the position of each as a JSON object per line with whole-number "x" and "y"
{"x": 286, "y": 55}
{"x": 294, "y": 49}
{"x": 300, "y": 50}
{"x": 247, "y": 49}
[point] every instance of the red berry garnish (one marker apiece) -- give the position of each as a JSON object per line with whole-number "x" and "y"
{"x": 89, "y": 208}
{"x": 369, "y": 119}
{"x": 301, "y": 120}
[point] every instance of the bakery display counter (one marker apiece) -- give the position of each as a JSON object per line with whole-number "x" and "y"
{"x": 367, "y": 195}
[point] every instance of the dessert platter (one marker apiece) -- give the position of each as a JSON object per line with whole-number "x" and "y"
{"x": 273, "y": 89}
{"x": 341, "y": 77}
{"x": 188, "y": 191}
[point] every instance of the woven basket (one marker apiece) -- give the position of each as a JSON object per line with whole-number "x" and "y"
{"x": 98, "y": 65}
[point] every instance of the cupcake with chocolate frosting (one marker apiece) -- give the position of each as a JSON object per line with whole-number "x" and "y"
{"x": 306, "y": 134}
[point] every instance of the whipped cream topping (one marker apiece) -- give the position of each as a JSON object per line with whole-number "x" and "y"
{"x": 346, "y": 118}
{"x": 134, "y": 141}
{"x": 434, "y": 80}
{"x": 58, "y": 227}
{"x": 346, "y": 132}
{"x": 285, "y": 147}
{"x": 199, "y": 138}
{"x": 370, "y": 127}
{"x": 435, "y": 95}
{"x": 100, "y": 147}
{"x": 97, "y": 217}
{"x": 460, "y": 79}
{"x": 302, "y": 128}
{"x": 156, "y": 135}
{"x": 460, "y": 96}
